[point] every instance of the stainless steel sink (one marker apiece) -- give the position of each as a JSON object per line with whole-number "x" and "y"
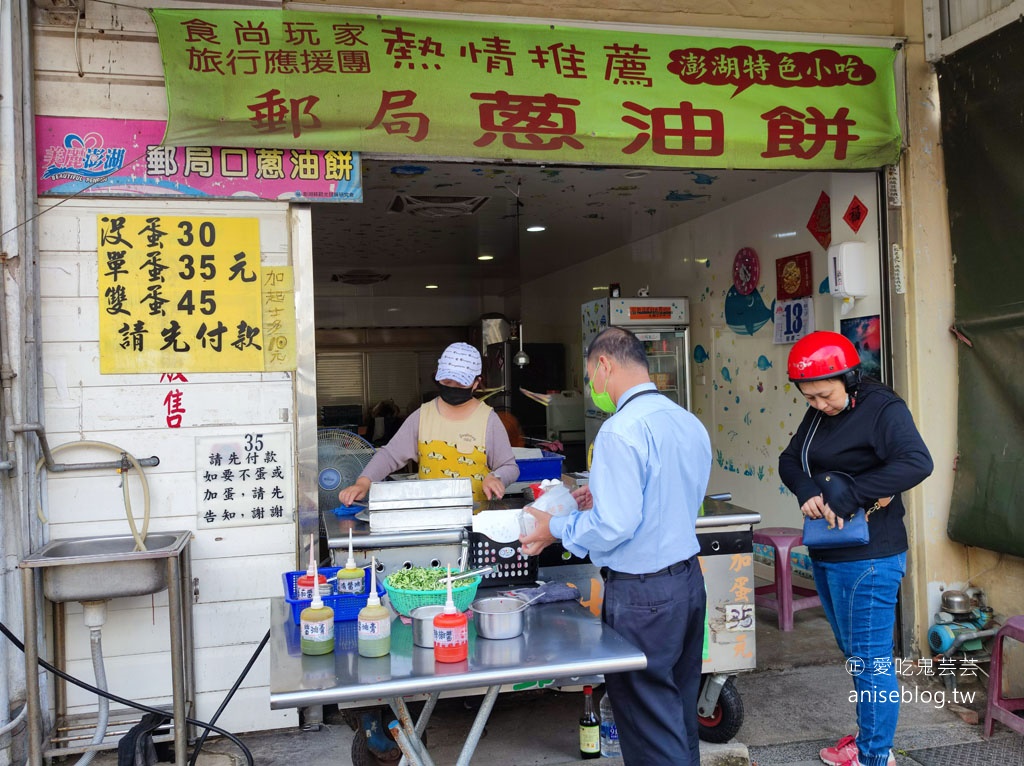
{"x": 100, "y": 568}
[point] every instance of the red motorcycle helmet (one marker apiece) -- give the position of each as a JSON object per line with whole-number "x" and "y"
{"x": 822, "y": 355}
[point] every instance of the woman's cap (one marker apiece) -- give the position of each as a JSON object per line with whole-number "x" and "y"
{"x": 459, "y": 362}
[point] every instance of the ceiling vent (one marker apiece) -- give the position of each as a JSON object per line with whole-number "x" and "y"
{"x": 435, "y": 207}
{"x": 360, "y": 277}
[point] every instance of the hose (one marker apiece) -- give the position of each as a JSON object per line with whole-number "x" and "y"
{"x": 96, "y": 644}
{"x": 13, "y": 723}
{"x": 140, "y": 538}
{"x": 227, "y": 699}
{"x": 130, "y": 703}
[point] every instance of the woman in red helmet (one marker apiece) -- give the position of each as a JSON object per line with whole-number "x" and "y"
{"x": 861, "y": 427}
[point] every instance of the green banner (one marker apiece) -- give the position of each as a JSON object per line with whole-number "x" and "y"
{"x": 544, "y": 93}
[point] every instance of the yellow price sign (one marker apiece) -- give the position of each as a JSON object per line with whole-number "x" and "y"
{"x": 180, "y": 293}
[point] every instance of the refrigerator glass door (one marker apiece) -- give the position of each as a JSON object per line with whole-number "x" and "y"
{"x": 667, "y": 357}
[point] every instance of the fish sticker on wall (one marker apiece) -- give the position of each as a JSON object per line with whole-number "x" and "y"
{"x": 746, "y": 314}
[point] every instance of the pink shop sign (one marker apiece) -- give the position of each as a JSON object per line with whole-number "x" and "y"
{"x": 124, "y": 158}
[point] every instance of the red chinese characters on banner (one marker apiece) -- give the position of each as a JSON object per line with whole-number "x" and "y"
{"x": 524, "y": 120}
{"x": 789, "y": 130}
{"x": 564, "y": 60}
{"x": 273, "y": 114}
{"x": 627, "y": 65}
{"x": 495, "y": 53}
{"x": 695, "y": 132}
{"x": 412, "y": 125}
{"x": 742, "y": 67}
{"x": 403, "y": 46}
{"x": 255, "y": 55}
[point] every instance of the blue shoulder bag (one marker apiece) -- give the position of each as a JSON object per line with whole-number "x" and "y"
{"x": 834, "y": 485}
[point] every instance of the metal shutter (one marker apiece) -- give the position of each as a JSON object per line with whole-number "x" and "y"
{"x": 339, "y": 378}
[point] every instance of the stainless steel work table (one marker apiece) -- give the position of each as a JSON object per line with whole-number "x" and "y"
{"x": 560, "y": 640}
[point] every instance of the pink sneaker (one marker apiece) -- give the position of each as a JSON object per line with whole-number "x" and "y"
{"x": 844, "y": 753}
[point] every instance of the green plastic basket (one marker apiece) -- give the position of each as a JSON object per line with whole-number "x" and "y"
{"x": 404, "y": 601}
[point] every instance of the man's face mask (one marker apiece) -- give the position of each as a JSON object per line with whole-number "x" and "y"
{"x": 454, "y": 395}
{"x": 602, "y": 400}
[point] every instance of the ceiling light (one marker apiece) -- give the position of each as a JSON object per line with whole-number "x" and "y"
{"x": 536, "y": 228}
{"x": 485, "y": 257}
{"x": 600, "y": 287}
{"x": 636, "y": 173}
{"x": 431, "y": 287}
{"x": 393, "y": 308}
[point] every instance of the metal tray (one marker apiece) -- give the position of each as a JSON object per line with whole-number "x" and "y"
{"x": 420, "y": 518}
{"x": 420, "y": 494}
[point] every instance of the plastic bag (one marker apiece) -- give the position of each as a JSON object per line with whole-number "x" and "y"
{"x": 556, "y": 499}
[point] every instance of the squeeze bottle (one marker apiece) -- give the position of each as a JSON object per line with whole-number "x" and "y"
{"x": 374, "y": 632}
{"x": 351, "y": 579}
{"x": 316, "y": 625}
{"x": 451, "y": 631}
{"x": 304, "y": 585}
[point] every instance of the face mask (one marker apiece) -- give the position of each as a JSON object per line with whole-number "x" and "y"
{"x": 454, "y": 395}
{"x": 603, "y": 400}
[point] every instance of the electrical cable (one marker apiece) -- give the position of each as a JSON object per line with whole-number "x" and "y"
{"x": 227, "y": 699}
{"x": 130, "y": 703}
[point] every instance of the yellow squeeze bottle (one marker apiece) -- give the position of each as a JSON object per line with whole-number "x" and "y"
{"x": 316, "y": 625}
{"x": 351, "y": 579}
{"x": 374, "y": 631}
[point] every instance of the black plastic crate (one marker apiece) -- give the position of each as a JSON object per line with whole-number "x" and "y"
{"x": 511, "y": 567}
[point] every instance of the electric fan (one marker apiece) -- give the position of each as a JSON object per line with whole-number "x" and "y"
{"x": 341, "y": 457}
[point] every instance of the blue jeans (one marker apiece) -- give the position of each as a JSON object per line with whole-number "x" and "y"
{"x": 859, "y": 598}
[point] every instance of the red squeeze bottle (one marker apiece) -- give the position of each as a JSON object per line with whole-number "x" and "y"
{"x": 451, "y": 631}
{"x": 306, "y": 583}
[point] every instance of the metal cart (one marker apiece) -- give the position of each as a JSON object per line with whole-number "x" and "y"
{"x": 725, "y": 534}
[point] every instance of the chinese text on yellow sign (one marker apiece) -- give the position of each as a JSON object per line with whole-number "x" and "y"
{"x": 180, "y": 293}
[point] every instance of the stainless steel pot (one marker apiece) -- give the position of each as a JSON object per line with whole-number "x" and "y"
{"x": 423, "y": 624}
{"x": 498, "y": 617}
{"x": 956, "y": 602}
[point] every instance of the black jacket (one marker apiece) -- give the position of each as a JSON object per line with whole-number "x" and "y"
{"x": 878, "y": 444}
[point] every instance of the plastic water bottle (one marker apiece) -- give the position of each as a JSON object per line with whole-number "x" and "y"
{"x": 609, "y": 734}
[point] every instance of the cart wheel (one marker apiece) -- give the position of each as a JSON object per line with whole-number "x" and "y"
{"x": 361, "y": 755}
{"x": 726, "y": 719}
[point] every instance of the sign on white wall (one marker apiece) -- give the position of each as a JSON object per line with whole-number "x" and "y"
{"x": 244, "y": 480}
{"x": 793, "y": 319}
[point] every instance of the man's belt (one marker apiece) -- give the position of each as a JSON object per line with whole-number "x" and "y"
{"x": 671, "y": 569}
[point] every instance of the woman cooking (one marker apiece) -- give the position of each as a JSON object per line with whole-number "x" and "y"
{"x": 453, "y": 436}
{"x": 862, "y": 428}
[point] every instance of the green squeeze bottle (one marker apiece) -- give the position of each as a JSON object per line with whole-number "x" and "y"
{"x": 351, "y": 579}
{"x": 316, "y": 625}
{"x": 374, "y": 631}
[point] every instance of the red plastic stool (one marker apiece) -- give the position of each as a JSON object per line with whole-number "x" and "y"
{"x": 998, "y": 707}
{"x": 779, "y": 594}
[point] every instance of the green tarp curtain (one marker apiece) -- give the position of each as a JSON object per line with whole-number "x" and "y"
{"x": 982, "y": 98}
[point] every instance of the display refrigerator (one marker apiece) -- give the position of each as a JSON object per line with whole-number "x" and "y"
{"x": 663, "y": 326}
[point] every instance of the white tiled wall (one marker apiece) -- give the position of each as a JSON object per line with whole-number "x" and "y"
{"x": 237, "y": 568}
{"x": 749, "y": 407}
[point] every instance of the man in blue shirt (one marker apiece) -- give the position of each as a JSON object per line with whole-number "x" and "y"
{"x": 648, "y": 477}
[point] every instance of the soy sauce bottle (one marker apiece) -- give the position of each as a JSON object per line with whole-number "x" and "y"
{"x": 590, "y": 727}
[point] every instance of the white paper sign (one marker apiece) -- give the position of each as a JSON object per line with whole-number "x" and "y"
{"x": 245, "y": 481}
{"x": 793, "y": 319}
